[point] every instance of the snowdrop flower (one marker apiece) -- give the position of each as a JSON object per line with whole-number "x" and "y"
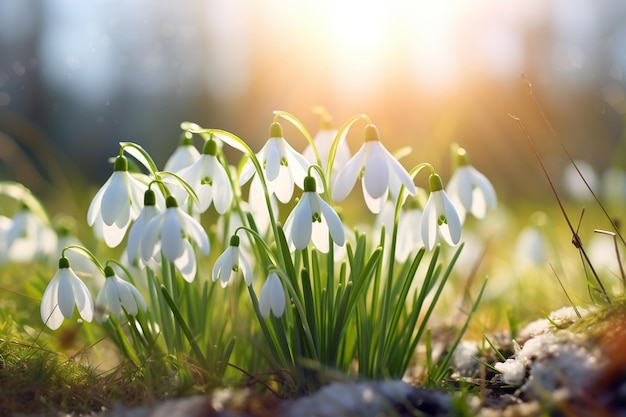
{"x": 231, "y": 263}
{"x": 208, "y": 178}
{"x": 323, "y": 142}
{"x": 312, "y": 219}
{"x": 116, "y": 294}
{"x": 148, "y": 212}
{"x": 380, "y": 172}
{"x": 65, "y": 291}
{"x": 574, "y": 184}
{"x": 272, "y": 297}
{"x": 167, "y": 232}
{"x": 282, "y": 165}
{"x": 184, "y": 155}
{"x": 440, "y": 218}
{"x": 469, "y": 190}
{"x": 116, "y": 204}
{"x": 30, "y": 237}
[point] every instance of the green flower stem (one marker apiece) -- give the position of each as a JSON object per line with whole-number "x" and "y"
{"x": 139, "y": 153}
{"x": 86, "y": 252}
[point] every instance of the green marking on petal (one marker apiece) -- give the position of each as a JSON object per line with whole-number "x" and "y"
{"x": 206, "y": 181}
{"x": 283, "y": 162}
{"x": 442, "y": 220}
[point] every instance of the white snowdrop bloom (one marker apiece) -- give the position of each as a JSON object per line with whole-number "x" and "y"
{"x": 531, "y": 248}
{"x": 379, "y": 170}
{"x": 258, "y": 207}
{"x": 272, "y": 297}
{"x": 168, "y": 232}
{"x": 440, "y": 218}
{"x": 232, "y": 263}
{"x": 116, "y": 294}
{"x": 208, "y": 178}
{"x": 323, "y": 142}
{"x": 282, "y": 165}
{"x": 184, "y": 155}
{"x": 469, "y": 190}
{"x": 574, "y": 184}
{"x": 5, "y": 226}
{"x": 29, "y": 237}
{"x": 312, "y": 219}
{"x": 116, "y": 204}
{"x": 64, "y": 292}
{"x": 148, "y": 212}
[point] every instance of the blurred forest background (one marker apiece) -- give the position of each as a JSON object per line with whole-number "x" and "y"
{"x": 79, "y": 76}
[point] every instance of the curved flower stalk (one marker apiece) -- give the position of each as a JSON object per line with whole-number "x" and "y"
{"x": 64, "y": 292}
{"x": 469, "y": 190}
{"x": 184, "y": 155}
{"x": 208, "y": 178}
{"x": 116, "y": 294}
{"x": 272, "y": 297}
{"x": 282, "y": 165}
{"x": 380, "y": 173}
{"x": 440, "y": 218}
{"x": 312, "y": 219}
{"x": 232, "y": 263}
{"x": 116, "y": 204}
{"x": 168, "y": 232}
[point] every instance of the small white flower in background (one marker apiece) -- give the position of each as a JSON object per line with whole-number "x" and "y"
{"x": 232, "y": 263}
{"x": 469, "y": 190}
{"x": 312, "y": 219}
{"x": 282, "y": 165}
{"x": 116, "y": 204}
{"x": 148, "y": 212}
{"x": 184, "y": 155}
{"x": 380, "y": 171}
{"x": 29, "y": 237}
{"x": 531, "y": 245}
{"x": 323, "y": 142}
{"x": 5, "y": 226}
{"x": 116, "y": 294}
{"x": 272, "y": 297}
{"x": 614, "y": 184}
{"x": 168, "y": 232}
{"x": 440, "y": 218}
{"x": 574, "y": 184}
{"x": 257, "y": 205}
{"x": 409, "y": 237}
{"x": 208, "y": 178}
{"x": 64, "y": 292}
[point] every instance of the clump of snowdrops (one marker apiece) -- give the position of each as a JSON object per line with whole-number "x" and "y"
{"x": 256, "y": 265}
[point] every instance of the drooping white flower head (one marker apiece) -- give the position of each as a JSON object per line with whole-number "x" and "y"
{"x": 116, "y": 294}
{"x": 282, "y": 165}
{"x": 469, "y": 190}
{"x": 323, "y": 142}
{"x": 64, "y": 292}
{"x": 30, "y": 237}
{"x": 168, "y": 232}
{"x": 208, "y": 178}
{"x": 232, "y": 263}
{"x": 440, "y": 218}
{"x": 184, "y": 155}
{"x": 116, "y": 204}
{"x": 135, "y": 234}
{"x": 312, "y": 219}
{"x": 272, "y": 297}
{"x": 379, "y": 170}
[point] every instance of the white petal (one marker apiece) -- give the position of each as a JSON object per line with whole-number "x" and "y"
{"x": 66, "y": 293}
{"x": 335, "y": 226}
{"x": 277, "y": 300}
{"x": 195, "y": 231}
{"x": 116, "y": 201}
{"x": 113, "y": 234}
{"x": 453, "y": 221}
{"x": 484, "y": 185}
{"x": 375, "y": 205}
{"x": 113, "y": 297}
{"x": 149, "y": 239}
{"x": 247, "y": 172}
{"x": 346, "y": 177}
{"x": 101, "y": 312}
{"x": 301, "y": 227}
{"x": 376, "y": 175}
{"x": 247, "y": 270}
{"x": 172, "y": 235}
{"x": 182, "y": 157}
{"x": 397, "y": 171}
{"x": 429, "y": 224}
{"x": 283, "y": 185}
{"x": 84, "y": 302}
{"x": 50, "y": 313}
{"x": 223, "y": 192}
{"x": 222, "y": 265}
{"x": 136, "y": 232}
{"x": 96, "y": 203}
{"x": 319, "y": 236}
{"x": 127, "y": 295}
{"x": 273, "y": 156}
{"x": 186, "y": 263}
